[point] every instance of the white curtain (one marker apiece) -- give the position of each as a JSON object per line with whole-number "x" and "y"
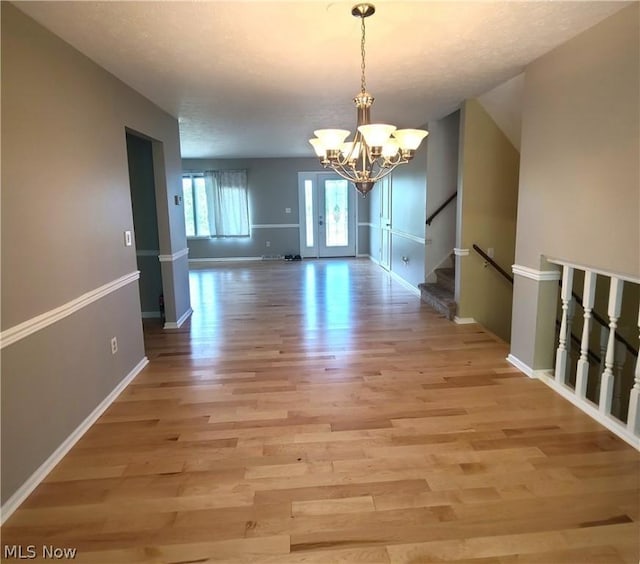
{"x": 227, "y": 203}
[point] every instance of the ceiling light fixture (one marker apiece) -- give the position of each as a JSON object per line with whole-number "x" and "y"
{"x": 377, "y": 148}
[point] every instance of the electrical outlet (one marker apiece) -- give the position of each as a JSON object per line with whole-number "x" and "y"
{"x": 268, "y": 243}
{"x": 128, "y": 240}
{"x": 114, "y": 345}
{"x": 287, "y": 210}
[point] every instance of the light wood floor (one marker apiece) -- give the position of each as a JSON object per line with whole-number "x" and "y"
{"x": 318, "y": 412}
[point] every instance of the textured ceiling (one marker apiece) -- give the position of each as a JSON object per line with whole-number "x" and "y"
{"x": 254, "y": 79}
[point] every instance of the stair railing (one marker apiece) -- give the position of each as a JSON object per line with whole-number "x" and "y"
{"x": 607, "y": 407}
{"x": 609, "y": 363}
{"x": 442, "y": 206}
{"x": 493, "y": 263}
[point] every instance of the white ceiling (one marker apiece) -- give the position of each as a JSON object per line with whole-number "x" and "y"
{"x": 254, "y": 79}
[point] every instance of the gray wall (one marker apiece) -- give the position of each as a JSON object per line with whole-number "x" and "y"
{"x": 65, "y": 205}
{"x": 145, "y": 221}
{"x": 408, "y": 214}
{"x": 273, "y": 187}
{"x": 442, "y": 181}
{"x": 579, "y": 195}
{"x": 408, "y": 205}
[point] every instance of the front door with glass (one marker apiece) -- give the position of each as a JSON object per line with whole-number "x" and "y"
{"x": 327, "y": 216}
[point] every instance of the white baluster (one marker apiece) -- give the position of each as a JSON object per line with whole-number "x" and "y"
{"x": 588, "y": 295}
{"x": 606, "y": 385}
{"x": 561, "y": 355}
{"x": 618, "y": 364}
{"x": 633, "y": 420}
{"x": 604, "y": 339}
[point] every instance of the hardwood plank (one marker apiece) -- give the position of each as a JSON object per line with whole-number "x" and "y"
{"x": 338, "y": 422}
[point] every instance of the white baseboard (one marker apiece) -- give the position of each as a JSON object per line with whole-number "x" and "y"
{"x": 41, "y": 473}
{"x": 589, "y": 408}
{"x": 222, "y": 259}
{"x": 464, "y": 320}
{"x": 178, "y": 324}
{"x": 150, "y": 315}
{"x": 405, "y": 283}
{"x": 525, "y": 368}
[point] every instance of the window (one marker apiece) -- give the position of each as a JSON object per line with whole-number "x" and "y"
{"x": 216, "y": 203}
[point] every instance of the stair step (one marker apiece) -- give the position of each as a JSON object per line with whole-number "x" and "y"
{"x": 440, "y": 298}
{"x": 447, "y": 277}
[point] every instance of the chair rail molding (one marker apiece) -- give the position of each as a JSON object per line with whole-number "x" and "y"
{"x": 409, "y": 236}
{"x": 30, "y": 326}
{"x": 175, "y": 256}
{"x": 533, "y": 274}
{"x": 275, "y": 225}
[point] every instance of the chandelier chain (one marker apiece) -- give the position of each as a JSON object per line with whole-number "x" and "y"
{"x": 363, "y": 84}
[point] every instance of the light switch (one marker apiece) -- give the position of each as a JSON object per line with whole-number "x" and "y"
{"x": 128, "y": 240}
{"x": 491, "y": 252}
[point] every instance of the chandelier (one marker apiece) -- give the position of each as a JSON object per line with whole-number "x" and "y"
{"x": 377, "y": 148}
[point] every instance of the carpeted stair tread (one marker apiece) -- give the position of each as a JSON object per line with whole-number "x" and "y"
{"x": 439, "y": 297}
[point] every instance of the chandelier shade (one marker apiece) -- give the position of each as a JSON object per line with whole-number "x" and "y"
{"x": 376, "y": 148}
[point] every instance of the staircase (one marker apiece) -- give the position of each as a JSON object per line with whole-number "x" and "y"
{"x": 440, "y": 294}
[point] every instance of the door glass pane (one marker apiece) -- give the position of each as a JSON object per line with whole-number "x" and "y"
{"x": 308, "y": 211}
{"x": 336, "y": 212}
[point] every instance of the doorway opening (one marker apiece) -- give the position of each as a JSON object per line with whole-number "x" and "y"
{"x": 145, "y": 224}
{"x": 327, "y": 205}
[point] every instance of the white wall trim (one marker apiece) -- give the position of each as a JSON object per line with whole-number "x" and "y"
{"x": 275, "y": 225}
{"x": 608, "y": 273}
{"x": 365, "y": 255}
{"x": 413, "y": 289}
{"x": 147, "y": 253}
{"x": 223, "y": 259}
{"x": 175, "y": 256}
{"x": 150, "y": 315}
{"x": 26, "y": 328}
{"x": 375, "y": 261}
{"x": 524, "y": 368}
{"x": 533, "y": 274}
{"x": 409, "y": 236}
{"x": 178, "y": 324}
{"x": 461, "y": 252}
{"x": 366, "y": 224}
{"x": 590, "y": 409}
{"x": 464, "y": 320}
{"x": 40, "y": 474}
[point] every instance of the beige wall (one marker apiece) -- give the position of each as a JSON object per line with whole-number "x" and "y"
{"x": 579, "y": 193}
{"x": 487, "y": 206}
{"x": 65, "y": 205}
